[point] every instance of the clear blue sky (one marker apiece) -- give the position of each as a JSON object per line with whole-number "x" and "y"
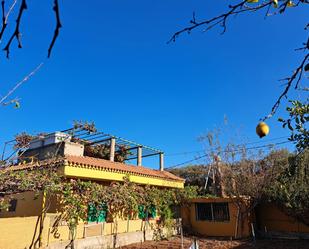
{"x": 111, "y": 64}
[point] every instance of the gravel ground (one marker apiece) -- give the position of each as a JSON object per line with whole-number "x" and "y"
{"x": 175, "y": 243}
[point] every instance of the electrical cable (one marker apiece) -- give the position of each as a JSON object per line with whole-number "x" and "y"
{"x": 228, "y": 151}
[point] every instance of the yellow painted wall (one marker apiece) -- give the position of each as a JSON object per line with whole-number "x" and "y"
{"x": 215, "y": 228}
{"x": 98, "y": 174}
{"x": 17, "y": 228}
{"x": 17, "y": 232}
{"x": 28, "y": 204}
{"x": 275, "y": 220}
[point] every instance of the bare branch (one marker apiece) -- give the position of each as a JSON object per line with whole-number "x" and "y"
{"x": 10, "y": 10}
{"x": 5, "y": 17}
{"x": 57, "y": 29}
{"x": 3, "y": 20}
{"x": 3, "y": 99}
{"x": 16, "y": 33}
{"x": 220, "y": 19}
{"x": 296, "y": 77}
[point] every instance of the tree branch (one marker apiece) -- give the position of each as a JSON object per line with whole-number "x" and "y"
{"x": 5, "y": 17}
{"x": 280, "y": 7}
{"x": 296, "y": 76}
{"x": 220, "y": 19}
{"x": 2, "y": 100}
{"x": 16, "y": 33}
{"x": 57, "y": 29}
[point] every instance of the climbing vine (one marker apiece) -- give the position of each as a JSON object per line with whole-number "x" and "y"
{"x": 121, "y": 199}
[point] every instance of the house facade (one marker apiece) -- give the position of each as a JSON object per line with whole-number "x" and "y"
{"x": 216, "y": 217}
{"x": 229, "y": 218}
{"x": 19, "y": 225}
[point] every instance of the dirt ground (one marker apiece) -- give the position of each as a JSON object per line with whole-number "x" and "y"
{"x": 175, "y": 243}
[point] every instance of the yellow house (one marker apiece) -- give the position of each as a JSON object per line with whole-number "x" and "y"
{"x": 216, "y": 217}
{"x": 19, "y": 224}
{"x": 220, "y": 217}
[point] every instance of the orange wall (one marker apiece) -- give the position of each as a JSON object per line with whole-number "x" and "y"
{"x": 215, "y": 228}
{"x": 275, "y": 220}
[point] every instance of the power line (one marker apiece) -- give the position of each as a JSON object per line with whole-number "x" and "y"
{"x": 237, "y": 150}
{"x": 244, "y": 144}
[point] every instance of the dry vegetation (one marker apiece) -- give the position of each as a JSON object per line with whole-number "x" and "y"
{"x": 175, "y": 243}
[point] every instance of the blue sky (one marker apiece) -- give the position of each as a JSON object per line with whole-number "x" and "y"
{"x": 111, "y": 65}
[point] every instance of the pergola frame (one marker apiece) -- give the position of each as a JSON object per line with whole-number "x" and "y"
{"x": 94, "y": 137}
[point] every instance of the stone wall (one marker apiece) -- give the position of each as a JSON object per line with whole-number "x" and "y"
{"x": 106, "y": 241}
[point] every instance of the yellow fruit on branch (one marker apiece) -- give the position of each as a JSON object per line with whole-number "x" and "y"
{"x": 262, "y": 129}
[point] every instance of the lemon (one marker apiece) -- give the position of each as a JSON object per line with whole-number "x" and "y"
{"x": 262, "y": 129}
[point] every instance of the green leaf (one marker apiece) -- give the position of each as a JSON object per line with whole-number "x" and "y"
{"x": 290, "y": 126}
{"x": 280, "y": 119}
{"x": 17, "y": 104}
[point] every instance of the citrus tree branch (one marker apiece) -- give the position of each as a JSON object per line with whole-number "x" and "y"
{"x": 220, "y": 19}
{"x": 295, "y": 79}
{"x": 272, "y": 7}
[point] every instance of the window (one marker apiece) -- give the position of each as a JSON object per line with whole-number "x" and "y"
{"x": 203, "y": 211}
{"x": 152, "y": 212}
{"x": 212, "y": 211}
{"x": 176, "y": 211}
{"x": 221, "y": 211}
{"x": 141, "y": 212}
{"x": 149, "y": 212}
{"x": 97, "y": 213}
{"x": 13, "y": 204}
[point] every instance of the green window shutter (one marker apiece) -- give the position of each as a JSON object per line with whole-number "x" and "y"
{"x": 141, "y": 212}
{"x": 102, "y": 212}
{"x": 152, "y": 211}
{"x": 92, "y": 213}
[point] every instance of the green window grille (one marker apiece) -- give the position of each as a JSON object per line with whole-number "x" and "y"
{"x": 102, "y": 212}
{"x": 92, "y": 213}
{"x": 141, "y": 212}
{"x": 97, "y": 213}
{"x": 152, "y": 211}
{"x": 149, "y": 212}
